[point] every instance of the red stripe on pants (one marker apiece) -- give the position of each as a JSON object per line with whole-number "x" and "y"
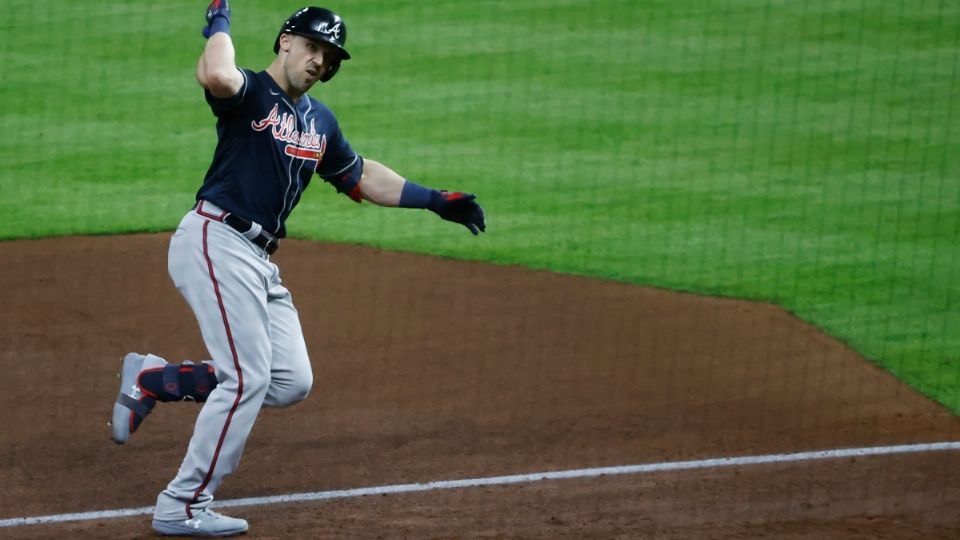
{"x": 236, "y": 364}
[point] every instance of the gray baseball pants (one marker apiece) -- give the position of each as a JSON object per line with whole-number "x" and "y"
{"x": 253, "y": 335}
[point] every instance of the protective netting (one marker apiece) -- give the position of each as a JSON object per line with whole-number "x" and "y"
{"x": 791, "y": 164}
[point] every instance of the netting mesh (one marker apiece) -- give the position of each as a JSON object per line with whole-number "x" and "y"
{"x": 790, "y": 167}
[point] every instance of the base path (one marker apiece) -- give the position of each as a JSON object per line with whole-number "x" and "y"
{"x": 429, "y": 369}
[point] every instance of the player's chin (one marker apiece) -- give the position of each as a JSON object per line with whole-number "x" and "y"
{"x": 308, "y": 82}
{"x": 305, "y": 85}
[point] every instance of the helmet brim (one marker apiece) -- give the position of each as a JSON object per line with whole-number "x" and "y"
{"x": 344, "y": 55}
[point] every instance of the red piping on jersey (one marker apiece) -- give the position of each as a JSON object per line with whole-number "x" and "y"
{"x": 236, "y": 365}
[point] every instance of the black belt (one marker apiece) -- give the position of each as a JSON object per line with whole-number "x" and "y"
{"x": 265, "y": 240}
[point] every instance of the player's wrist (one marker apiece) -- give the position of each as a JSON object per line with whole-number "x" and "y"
{"x": 414, "y": 195}
{"x": 218, "y": 18}
{"x": 220, "y": 23}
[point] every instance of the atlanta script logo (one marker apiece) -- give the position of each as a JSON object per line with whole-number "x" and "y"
{"x": 301, "y": 144}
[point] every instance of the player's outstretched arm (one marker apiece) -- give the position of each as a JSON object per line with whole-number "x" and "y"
{"x": 381, "y": 185}
{"x": 217, "y": 69}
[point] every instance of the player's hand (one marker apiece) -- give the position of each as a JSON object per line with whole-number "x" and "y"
{"x": 460, "y": 208}
{"x": 217, "y": 8}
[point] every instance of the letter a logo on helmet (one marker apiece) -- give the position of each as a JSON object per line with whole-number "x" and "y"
{"x": 327, "y": 30}
{"x": 319, "y": 24}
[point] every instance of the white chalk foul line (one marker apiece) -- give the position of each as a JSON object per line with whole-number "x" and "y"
{"x": 511, "y": 479}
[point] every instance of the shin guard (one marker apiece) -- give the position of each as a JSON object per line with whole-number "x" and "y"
{"x": 179, "y": 382}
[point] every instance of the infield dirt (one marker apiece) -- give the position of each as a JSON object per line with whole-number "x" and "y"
{"x": 431, "y": 369}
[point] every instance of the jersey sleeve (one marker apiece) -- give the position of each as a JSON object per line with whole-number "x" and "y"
{"x": 341, "y": 166}
{"x": 339, "y": 157}
{"x": 224, "y": 106}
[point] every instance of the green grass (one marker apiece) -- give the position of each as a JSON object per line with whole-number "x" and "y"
{"x": 801, "y": 153}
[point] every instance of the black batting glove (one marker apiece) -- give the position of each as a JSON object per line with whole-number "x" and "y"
{"x": 218, "y": 9}
{"x": 459, "y": 208}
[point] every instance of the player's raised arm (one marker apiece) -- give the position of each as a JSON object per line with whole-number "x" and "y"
{"x": 217, "y": 69}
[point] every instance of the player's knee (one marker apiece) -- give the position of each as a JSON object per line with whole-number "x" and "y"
{"x": 291, "y": 391}
{"x": 255, "y": 385}
{"x": 300, "y": 389}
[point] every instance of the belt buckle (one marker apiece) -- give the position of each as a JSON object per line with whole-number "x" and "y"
{"x": 271, "y": 246}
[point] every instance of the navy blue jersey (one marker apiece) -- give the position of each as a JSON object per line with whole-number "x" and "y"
{"x": 268, "y": 148}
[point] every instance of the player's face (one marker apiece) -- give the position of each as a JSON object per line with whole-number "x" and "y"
{"x": 307, "y": 60}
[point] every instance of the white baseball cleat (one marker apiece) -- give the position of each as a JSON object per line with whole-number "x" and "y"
{"x": 131, "y": 405}
{"x": 203, "y": 523}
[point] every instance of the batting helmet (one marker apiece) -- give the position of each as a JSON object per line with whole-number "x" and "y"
{"x": 322, "y": 25}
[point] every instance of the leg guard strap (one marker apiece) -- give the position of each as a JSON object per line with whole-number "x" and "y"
{"x": 171, "y": 382}
{"x": 139, "y": 408}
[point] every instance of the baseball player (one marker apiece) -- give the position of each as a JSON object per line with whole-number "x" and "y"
{"x": 272, "y": 137}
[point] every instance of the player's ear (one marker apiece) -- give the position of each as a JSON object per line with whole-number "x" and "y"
{"x": 285, "y": 42}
